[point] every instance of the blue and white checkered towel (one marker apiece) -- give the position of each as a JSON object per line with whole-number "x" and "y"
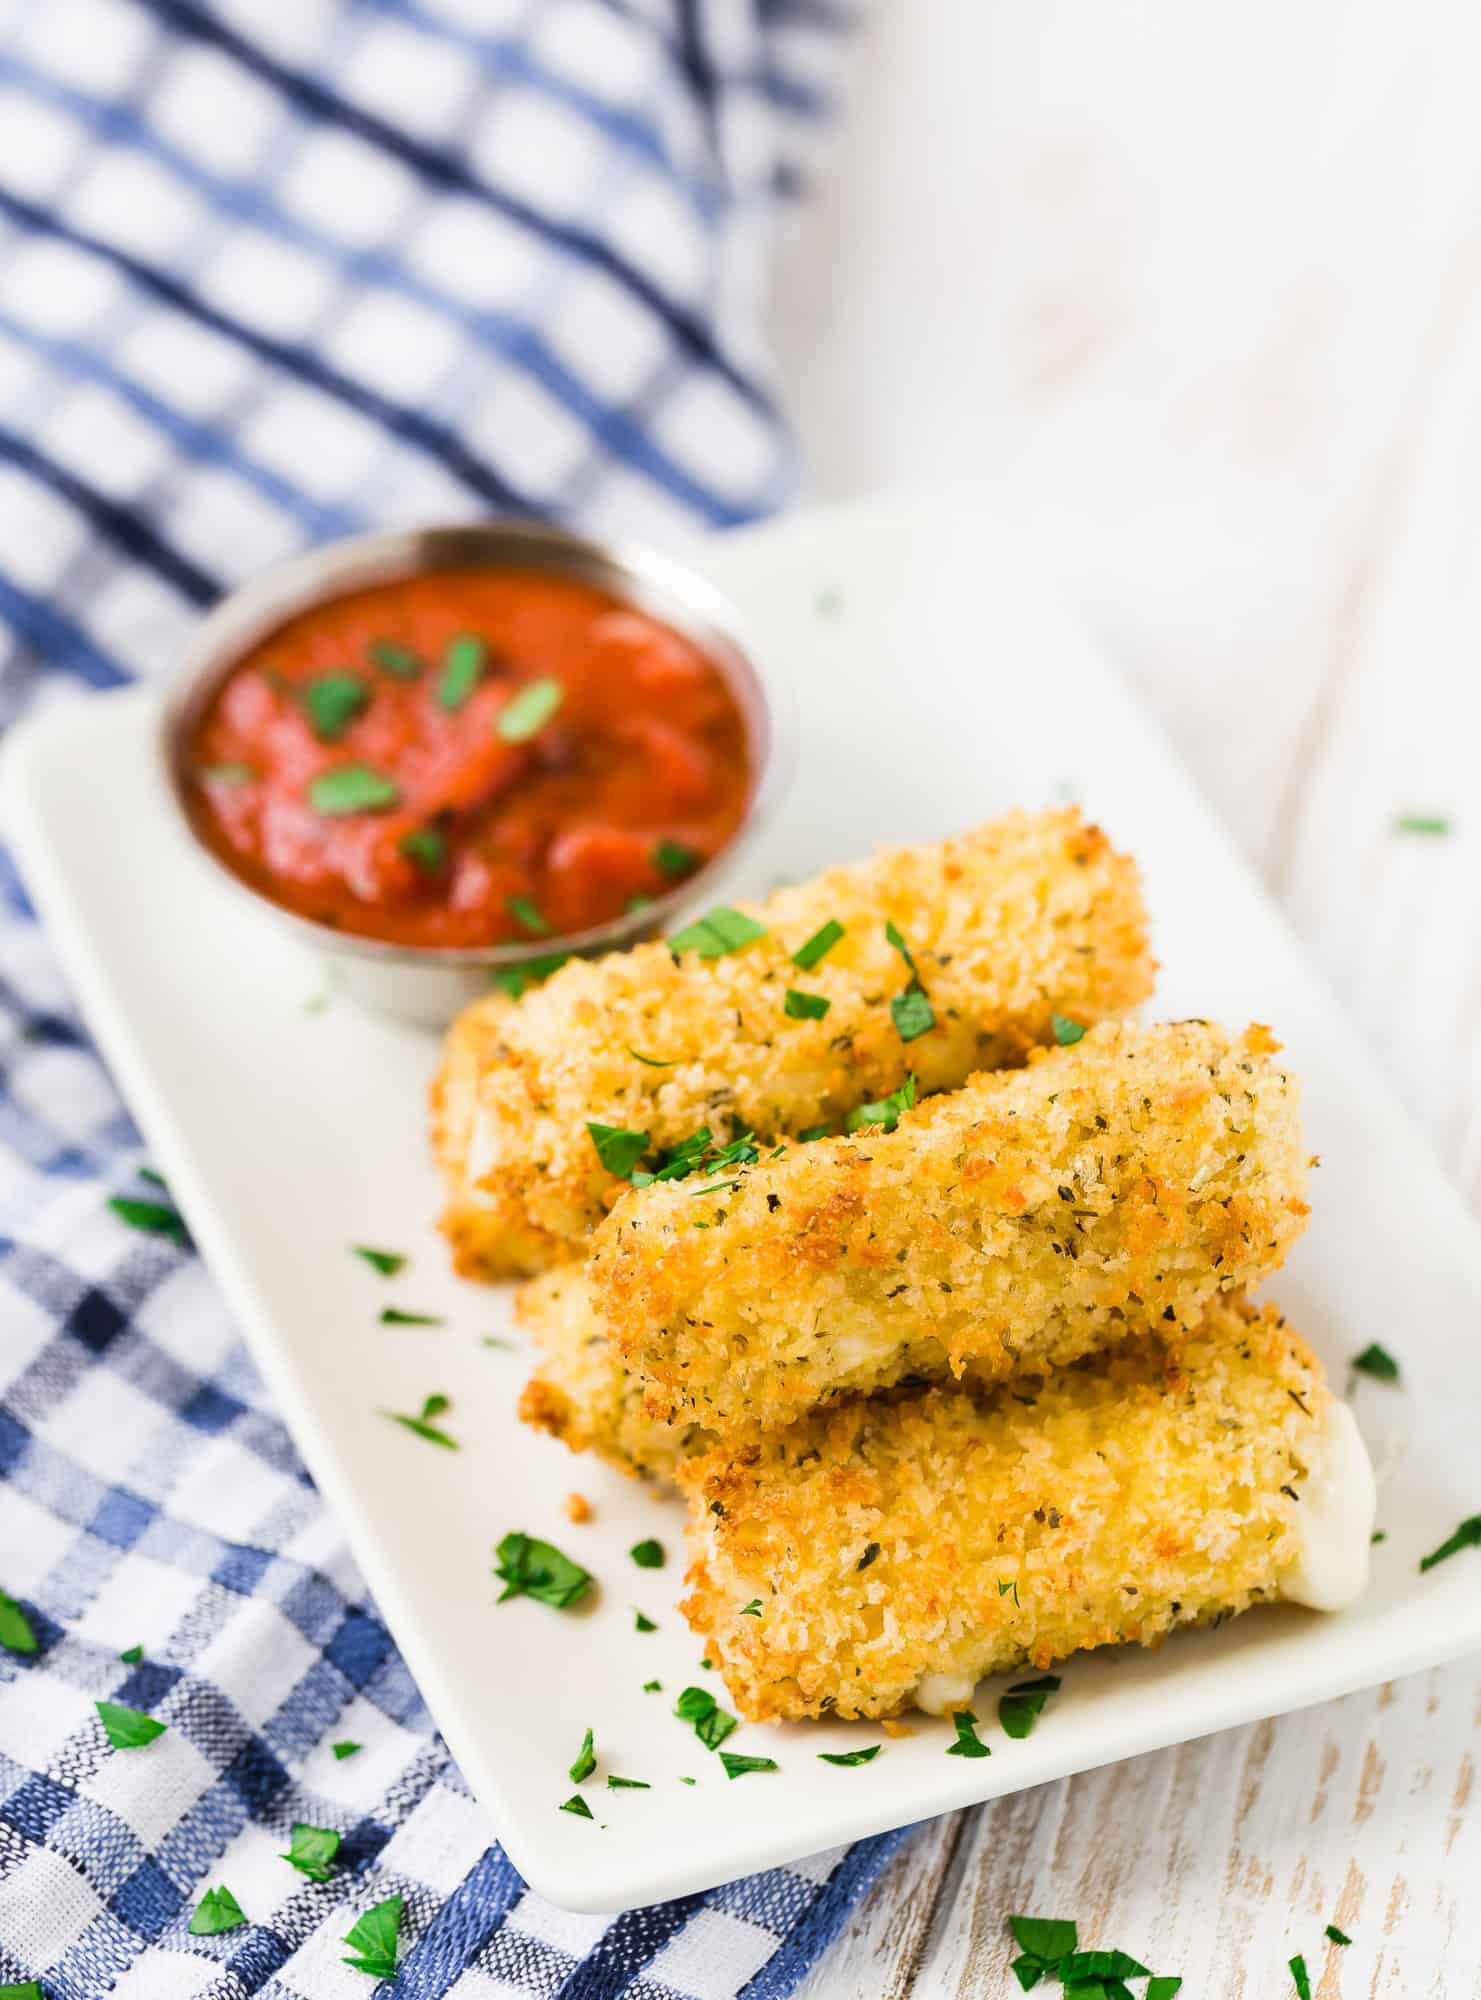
{"x": 271, "y": 271}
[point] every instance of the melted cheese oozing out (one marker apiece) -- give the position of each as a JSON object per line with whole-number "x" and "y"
{"x": 939, "y": 1692}
{"x": 1339, "y": 1502}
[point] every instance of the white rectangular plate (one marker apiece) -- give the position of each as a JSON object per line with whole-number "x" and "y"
{"x": 935, "y": 689}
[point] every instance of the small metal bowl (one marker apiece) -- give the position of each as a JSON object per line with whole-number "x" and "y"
{"x": 427, "y": 984}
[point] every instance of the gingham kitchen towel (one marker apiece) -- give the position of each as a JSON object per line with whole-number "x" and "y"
{"x": 270, "y": 271}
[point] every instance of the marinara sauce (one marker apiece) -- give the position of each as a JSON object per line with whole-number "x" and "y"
{"x": 468, "y": 757}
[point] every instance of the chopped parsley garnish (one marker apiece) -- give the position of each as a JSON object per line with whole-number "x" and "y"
{"x": 647, "y": 1555}
{"x": 516, "y": 979}
{"x": 154, "y": 1179}
{"x": 532, "y": 1568}
{"x": 894, "y": 937}
{"x": 1377, "y": 1362}
{"x": 375, "y": 1937}
{"x": 804, "y": 1006}
{"x": 426, "y": 847}
{"x": 813, "y": 1132}
{"x": 387, "y": 1262}
{"x": 400, "y": 662}
{"x": 132, "y": 1655}
{"x": 1433, "y": 823}
{"x": 221, "y": 774}
{"x": 886, "y": 1113}
{"x": 737, "y": 1766}
{"x": 529, "y": 711}
{"x": 642, "y": 1623}
{"x": 1166, "y": 1986}
{"x": 818, "y": 946}
{"x": 217, "y": 1911}
{"x": 155, "y": 1218}
{"x": 399, "y": 1316}
{"x": 462, "y": 670}
{"x": 423, "y": 1426}
{"x": 346, "y": 1748}
{"x": 674, "y": 859}
{"x": 688, "y": 1781}
{"x": 751, "y": 1610}
{"x": 576, "y": 1804}
{"x": 1077, "y": 1965}
{"x": 866, "y": 1756}
{"x": 1023, "y": 1704}
{"x": 1379, "y": 1535}
{"x": 311, "y": 1850}
{"x": 711, "y": 1724}
{"x": 912, "y": 1013}
{"x": 618, "y": 1149}
{"x": 1337, "y": 1936}
{"x": 352, "y": 788}
{"x": 331, "y": 702}
{"x": 652, "y": 1062}
{"x": 1066, "y": 1031}
{"x": 1466, "y": 1536}
{"x": 1044, "y": 1941}
{"x": 529, "y": 914}
{"x": 1302, "y": 1977}
{"x": 586, "y": 1759}
{"x": 616, "y": 1784}
{"x": 871, "y": 1552}
{"x": 17, "y": 1635}
{"x": 128, "y": 1728}
{"x": 653, "y": 1687}
{"x": 723, "y": 930}
{"x": 968, "y": 1743}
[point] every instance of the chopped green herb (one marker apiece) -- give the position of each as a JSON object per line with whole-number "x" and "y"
{"x": 153, "y": 1217}
{"x": 737, "y": 1766}
{"x": 698, "y": 1706}
{"x": 17, "y": 1635}
{"x": 399, "y": 1316}
{"x": 1337, "y": 1936}
{"x": 672, "y": 858}
{"x": 154, "y": 1179}
{"x": 128, "y": 1728}
{"x": 346, "y": 1748}
{"x": 968, "y": 1743}
{"x": 529, "y": 914}
{"x": 375, "y": 1937}
{"x": 647, "y": 1555}
{"x": 586, "y": 1759}
{"x": 1377, "y": 1362}
{"x": 331, "y": 702}
{"x": 515, "y": 979}
{"x": 871, "y": 1554}
{"x": 220, "y": 774}
{"x": 352, "y": 788}
{"x": 387, "y": 1262}
{"x": 528, "y": 712}
{"x": 652, "y": 1062}
{"x": 912, "y": 1014}
{"x": 818, "y": 946}
{"x": 893, "y": 936}
{"x": 132, "y": 1656}
{"x": 217, "y": 1911}
{"x": 462, "y": 670}
{"x": 1066, "y": 1032}
{"x": 576, "y": 1804}
{"x": 1466, "y": 1536}
{"x": 751, "y": 1610}
{"x": 615, "y": 1784}
{"x": 1302, "y": 1977}
{"x": 493, "y": 1340}
{"x": 311, "y": 1850}
{"x": 1433, "y": 823}
{"x": 1379, "y": 1535}
{"x": 642, "y": 1624}
{"x": 400, "y": 662}
{"x": 688, "y": 1781}
{"x": 653, "y": 1687}
{"x": 423, "y": 1426}
{"x": 866, "y": 1756}
{"x": 813, "y": 1132}
{"x": 1166, "y": 1986}
{"x": 1100, "y": 1965}
{"x": 1048, "y": 1939}
{"x": 723, "y": 930}
{"x": 1023, "y": 1704}
{"x": 532, "y": 1568}
{"x": 886, "y": 1113}
{"x": 804, "y": 1006}
{"x": 618, "y": 1150}
{"x": 426, "y": 847}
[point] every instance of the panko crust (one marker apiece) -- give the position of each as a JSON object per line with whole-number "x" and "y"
{"x": 936, "y": 1533}
{"x": 1031, "y": 916}
{"x": 1111, "y": 1188}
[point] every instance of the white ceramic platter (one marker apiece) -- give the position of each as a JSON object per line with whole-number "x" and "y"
{"x": 934, "y": 688}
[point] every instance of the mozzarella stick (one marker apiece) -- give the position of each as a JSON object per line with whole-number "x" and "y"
{"x": 899, "y": 1548}
{"x": 989, "y": 937}
{"x": 1113, "y": 1187}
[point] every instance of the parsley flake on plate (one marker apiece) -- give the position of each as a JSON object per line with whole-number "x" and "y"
{"x": 462, "y": 670}
{"x": 616, "y": 1784}
{"x": 346, "y": 1748}
{"x": 128, "y": 1728}
{"x": 217, "y": 1911}
{"x": 818, "y": 946}
{"x": 648, "y": 1554}
{"x": 423, "y": 1426}
{"x": 311, "y": 1849}
{"x": 529, "y": 1567}
{"x": 1337, "y": 1936}
{"x": 1100, "y": 1965}
{"x": 586, "y": 1759}
{"x": 618, "y": 1149}
{"x": 1066, "y": 1031}
{"x": 673, "y": 859}
{"x": 331, "y": 702}
{"x": 1466, "y": 1536}
{"x": 155, "y": 1218}
{"x": 1020, "y": 1708}
{"x": 400, "y": 662}
{"x": 804, "y": 1006}
{"x": 527, "y": 713}
{"x": 386, "y": 1262}
{"x": 375, "y": 1938}
{"x": 653, "y": 1687}
{"x": 722, "y": 931}
{"x": 643, "y": 1624}
{"x": 1047, "y": 1939}
{"x": 1165, "y": 1986}
{"x": 1431, "y": 823}
{"x": 711, "y": 1724}
{"x": 1377, "y": 1362}
{"x": 576, "y": 1804}
{"x": 352, "y": 788}
{"x": 968, "y": 1743}
{"x": 425, "y": 846}
{"x": 17, "y": 1634}
{"x": 399, "y": 1316}
{"x": 865, "y": 1756}
{"x": 529, "y": 914}
{"x": 737, "y": 1766}
{"x": 1301, "y": 1976}
{"x": 132, "y": 1656}
{"x": 886, "y": 1113}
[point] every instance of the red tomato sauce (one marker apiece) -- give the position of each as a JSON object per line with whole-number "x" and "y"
{"x": 357, "y": 767}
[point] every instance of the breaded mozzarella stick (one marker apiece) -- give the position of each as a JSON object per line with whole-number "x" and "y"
{"x": 994, "y": 934}
{"x": 1034, "y": 1216}
{"x": 902, "y": 1547}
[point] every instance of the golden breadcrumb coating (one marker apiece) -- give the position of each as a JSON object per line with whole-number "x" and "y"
{"x": 1110, "y": 1188}
{"x": 1031, "y": 916}
{"x": 934, "y": 1534}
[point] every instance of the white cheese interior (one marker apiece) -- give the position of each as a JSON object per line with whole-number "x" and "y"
{"x": 939, "y": 1692}
{"x": 1339, "y": 1503}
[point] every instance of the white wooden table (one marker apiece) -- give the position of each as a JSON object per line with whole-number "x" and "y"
{"x": 1193, "y": 294}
